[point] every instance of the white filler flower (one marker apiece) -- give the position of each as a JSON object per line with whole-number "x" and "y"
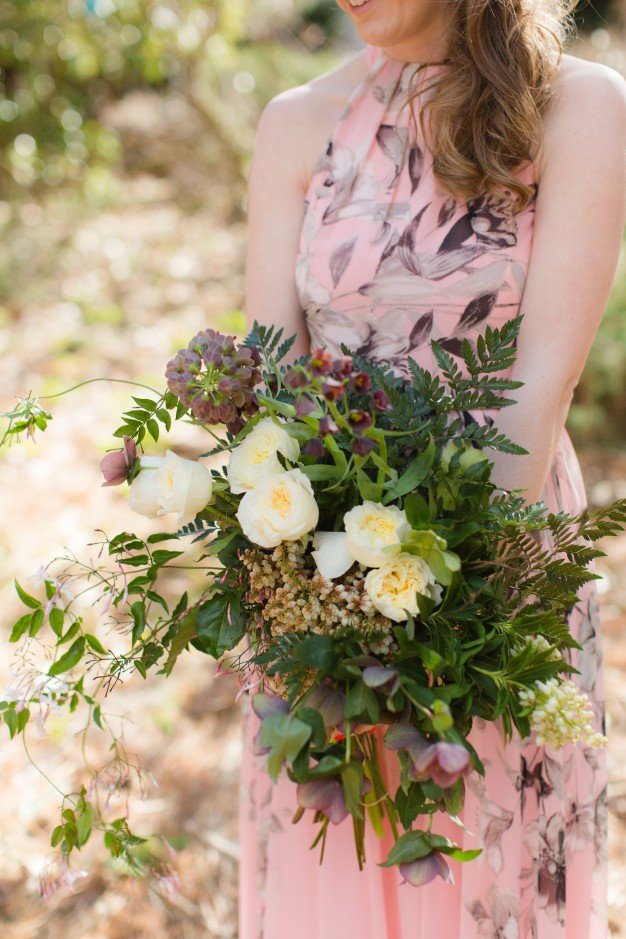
{"x": 170, "y": 484}
{"x": 393, "y": 588}
{"x": 256, "y": 457}
{"x": 280, "y": 508}
{"x": 374, "y": 532}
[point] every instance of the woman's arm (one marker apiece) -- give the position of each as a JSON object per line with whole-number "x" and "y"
{"x": 276, "y": 191}
{"x": 580, "y": 213}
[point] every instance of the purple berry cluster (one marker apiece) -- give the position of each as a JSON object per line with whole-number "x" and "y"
{"x": 333, "y": 379}
{"x": 215, "y": 378}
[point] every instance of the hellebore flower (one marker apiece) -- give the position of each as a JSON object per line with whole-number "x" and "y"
{"x": 117, "y": 466}
{"x": 215, "y": 378}
{"x": 321, "y": 362}
{"x": 359, "y": 421}
{"x": 444, "y": 763}
{"x": 362, "y": 446}
{"x": 380, "y": 400}
{"x": 328, "y": 426}
{"x": 329, "y": 702}
{"x": 323, "y": 795}
{"x": 305, "y": 405}
{"x": 360, "y": 382}
{"x": 425, "y": 869}
{"x": 314, "y": 447}
{"x": 333, "y": 389}
{"x": 342, "y": 365}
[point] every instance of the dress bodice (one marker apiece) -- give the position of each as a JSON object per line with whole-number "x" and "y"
{"x": 388, "y": 259}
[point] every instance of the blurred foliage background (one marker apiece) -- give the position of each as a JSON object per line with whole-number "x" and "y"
{"x": 126, "y": 128}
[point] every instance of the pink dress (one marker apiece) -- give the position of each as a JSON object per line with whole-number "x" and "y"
{"x": 388, "y": 261}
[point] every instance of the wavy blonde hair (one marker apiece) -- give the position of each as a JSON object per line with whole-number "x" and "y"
{"x": 485, "y": 114}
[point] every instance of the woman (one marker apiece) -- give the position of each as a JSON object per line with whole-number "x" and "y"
{"x": 394, "y": 200}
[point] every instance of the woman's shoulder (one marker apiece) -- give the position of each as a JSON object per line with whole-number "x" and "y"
{"x": 297, "y": 122}
{"x": 588, "y": 102}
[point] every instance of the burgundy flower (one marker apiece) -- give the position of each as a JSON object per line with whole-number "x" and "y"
{"x": 323, "y": 795}
{"x": 314, "y": 447}
{"x": 360, "y": 382}
{"x": 321, "y": 362}
{"x": 333, "y": 389}
{"x": 117, "y": 466}
{"x": 425, "y": 869}
{"x": 342, "y": 365}
{"x": 329, "y": 702}
{"x": 380, "y": 400}
{"x": 359, "y": 421}
{"x": 328, "y": 426}
{"x": 296, "y": 378}
{"x": 304, "y": 405}
{"x": 363, "y": 446}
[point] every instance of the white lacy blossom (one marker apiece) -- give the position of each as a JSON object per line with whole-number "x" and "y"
{"x": 561, "y": 714}
{"x": 256, "y": 457}
{"x": 374, "y": 532}
{"x": 170, "y": 484}
{"x": 281, "y": 508}
{"x": 394, "y": 587}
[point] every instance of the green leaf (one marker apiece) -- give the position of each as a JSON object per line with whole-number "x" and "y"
{"x": 409, "y": 847}
{"x": 415, "y": 474}
{"x": 69, "y": 659}
{"x": 361, "y": 702}
{"x": 138, "y": 613}
{"x": 10, "y": 719}
{"x": 285, "y": 735}
{"x": 56, "y": 618}
{"x": 20, "y": 627}
{"x": 186, "y": 632}
{"x": 408, "y": 804}
{"x": 94, "y": 643}
{"x": 57, "y": 835}
{"x": 26, "y": 598}
{"x": 220, "y": 624}
{"x": 351, "y": 779}
{"x": 317, "y": 652}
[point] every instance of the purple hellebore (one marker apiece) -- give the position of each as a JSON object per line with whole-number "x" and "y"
{"x": 363, "y": 446}
{"x": 314, "y": 447}
{"x": 425, "y": 869}
{"x": 117, "y": 466}
{"x": 321, "y": 362}
{"x": 323, "y": 795}
{"x": 444, "y": 763}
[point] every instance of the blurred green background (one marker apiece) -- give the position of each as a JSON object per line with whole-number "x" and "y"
{"x": 126, "y": 128}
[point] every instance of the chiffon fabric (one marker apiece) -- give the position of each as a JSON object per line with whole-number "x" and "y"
{"x": 387, "y": 260}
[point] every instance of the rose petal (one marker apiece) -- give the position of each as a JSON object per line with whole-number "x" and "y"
{"x": 331, "y": 554}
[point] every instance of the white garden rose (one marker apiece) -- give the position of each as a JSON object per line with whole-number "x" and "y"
{"x": 393, "y": 588}
{"x": 330, "y": 553}
{"x": 170, "y": 484}
{"x": 374, "y": 532}
{"x": 281, "y": 508}
{"x": 256, "y": 457}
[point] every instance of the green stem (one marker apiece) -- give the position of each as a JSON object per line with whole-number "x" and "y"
{"x": 89, "y": 381}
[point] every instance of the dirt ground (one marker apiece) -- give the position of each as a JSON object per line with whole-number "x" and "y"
{"x": 113, "y": 286}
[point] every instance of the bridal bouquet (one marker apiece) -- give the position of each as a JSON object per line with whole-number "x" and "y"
{"x": 369, "y": 583}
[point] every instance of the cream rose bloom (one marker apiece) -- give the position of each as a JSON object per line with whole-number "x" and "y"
{"x": 256, "y": 457}
{"x": 374, "y": 532}
{"x": 393, "y": 588}
{"x": 170, "y": 484}
{"x": 280, "y": 508}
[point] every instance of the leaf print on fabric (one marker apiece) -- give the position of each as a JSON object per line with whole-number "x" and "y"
{"x": 545, "y": 839}
{"x": 446, "y": 211}
{"x": 406, "y": 245}
{"x": 493, "y": 823}
{"x": 452, "y": 345}
{"x": 580, "y": 825}
{"x": 392, "y": 140}
{"x": 416, "y": 166}
{"x": 421, "y": 331}
{"x": 601, "y": 826}
{"x": 340, "y": 259}
{"x": 460, "y": 232}
{"x": 492, "y": 221}
{"x": 476, "y": 311}
{"x": 435, "y": 265}
{"x": 501, "y": 920}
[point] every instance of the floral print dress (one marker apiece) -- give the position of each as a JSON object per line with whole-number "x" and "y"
{"x": 388, "y": 261}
